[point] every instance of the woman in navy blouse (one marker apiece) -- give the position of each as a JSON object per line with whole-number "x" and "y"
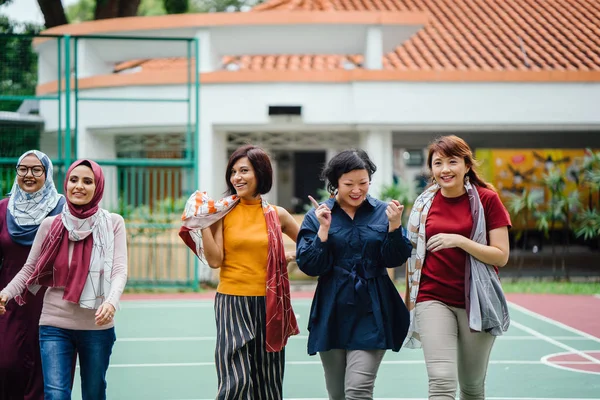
{"x": 348, "y": 241}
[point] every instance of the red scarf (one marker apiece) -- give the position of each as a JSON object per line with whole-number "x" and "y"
{"x": 281, "y": 320}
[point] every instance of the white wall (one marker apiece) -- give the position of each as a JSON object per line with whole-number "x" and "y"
{"x": 363, "y": 106}
{"x": 365, "y": 103}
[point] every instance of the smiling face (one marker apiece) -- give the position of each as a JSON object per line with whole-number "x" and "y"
{"x": 449, "y": 173}
{"x": 352, "y": 188}
{"x": 243, "y": 179}
{"x": 81, "y": 185}
{"x": 27, "y": 170}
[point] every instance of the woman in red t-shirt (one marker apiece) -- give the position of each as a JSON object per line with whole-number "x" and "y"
{"x": 438, "y": 275}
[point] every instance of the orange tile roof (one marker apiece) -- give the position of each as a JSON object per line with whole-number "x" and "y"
{"x": 482, "y": 35}
{"x": 519, "y": 40}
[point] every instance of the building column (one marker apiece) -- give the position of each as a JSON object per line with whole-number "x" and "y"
{"x": 209, "y": 59}
{"x": 374, "y": 48}
{"x": 379, "y": 146}
{"x": 212, "y": 161}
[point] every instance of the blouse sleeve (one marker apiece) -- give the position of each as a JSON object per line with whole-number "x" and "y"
{"x": 19, "y": 282}
{"x": 312, "y": 255}
{"x": 119, "y": 271}
{"x": 396, "y": 248}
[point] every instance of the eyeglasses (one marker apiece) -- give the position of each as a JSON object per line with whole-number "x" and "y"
{"x": 36, "y": 171}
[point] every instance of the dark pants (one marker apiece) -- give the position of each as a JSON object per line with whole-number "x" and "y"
{"x": 245, "y": 370}
{"x": 58, "y": 347}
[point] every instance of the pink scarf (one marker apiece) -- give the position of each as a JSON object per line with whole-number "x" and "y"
{"x": 201, "y": 212}
{"x": 52, "y": 268}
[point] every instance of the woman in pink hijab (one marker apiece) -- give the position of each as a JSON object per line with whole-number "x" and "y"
{"x": 80, "y": 255}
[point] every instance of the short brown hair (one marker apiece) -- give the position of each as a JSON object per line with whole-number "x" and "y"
{"x": 260, "y": 162}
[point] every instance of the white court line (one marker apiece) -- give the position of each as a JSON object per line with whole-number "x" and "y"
{"x": 424, "y": 398}
{"x": 559, "y": 364}
{"x": 556, "y": 343}
{"x": 554, "y": 322}
{"x": 194, "y": 303}
{"x": 303, "y": 337}
{"x": 403, "y": 362}
{"x": 129, "y": 305}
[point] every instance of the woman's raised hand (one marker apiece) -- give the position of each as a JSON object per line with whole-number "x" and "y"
{"x": 322, "y": 212}
{"x": 394, "y": 213}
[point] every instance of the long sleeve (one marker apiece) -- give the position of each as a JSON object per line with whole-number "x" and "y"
{"x": 396, "y": 248}
{"x": 119, "y": 271}
{"x": 312, "y": 255}
{"x": 19, "y": 282}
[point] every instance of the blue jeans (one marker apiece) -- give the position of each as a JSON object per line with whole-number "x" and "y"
{"x": 58, "y": 348}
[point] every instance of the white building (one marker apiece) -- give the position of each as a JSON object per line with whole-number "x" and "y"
{"x": 305, "y": 84}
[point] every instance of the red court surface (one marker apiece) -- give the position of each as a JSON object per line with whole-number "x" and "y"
{"x": 577, "y": 311}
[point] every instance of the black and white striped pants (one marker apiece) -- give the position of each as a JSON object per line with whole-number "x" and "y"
{"x": 245, "y": 370}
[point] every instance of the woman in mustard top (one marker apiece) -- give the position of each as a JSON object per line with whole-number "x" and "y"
{"x": 246, "y": 244}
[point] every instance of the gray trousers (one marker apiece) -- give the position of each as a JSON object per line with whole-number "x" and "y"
{"x": 350, "y": 374}
{"x": 452, "y": 351}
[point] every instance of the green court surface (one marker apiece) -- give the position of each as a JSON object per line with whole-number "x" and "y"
{"x": 165, "y": 350}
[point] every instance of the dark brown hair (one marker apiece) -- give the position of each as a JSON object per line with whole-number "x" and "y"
{"x": 453, "y": 146}
{"x": 260, "y": 162}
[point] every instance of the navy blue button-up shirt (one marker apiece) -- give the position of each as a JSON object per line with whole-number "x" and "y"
{"x": 356, "y": 305}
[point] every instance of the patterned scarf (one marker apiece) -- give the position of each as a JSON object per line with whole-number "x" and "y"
{"x": 486, "y": 305}
{"x": 26, "y": 211}
{"x": 87, "y": 279}
{"x": 201, "y": 212}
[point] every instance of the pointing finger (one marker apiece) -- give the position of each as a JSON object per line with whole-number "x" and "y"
{"x": 313, "y": 201}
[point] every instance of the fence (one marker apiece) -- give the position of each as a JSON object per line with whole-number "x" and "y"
{"x": 149, "y": 174}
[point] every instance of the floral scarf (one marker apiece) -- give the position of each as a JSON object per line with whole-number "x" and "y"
{"x": 486, "y": 305}
{"x": 201, "y": 212}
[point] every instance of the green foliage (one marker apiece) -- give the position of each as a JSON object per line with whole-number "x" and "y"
{"x": 323, "y": 195}
{"x": 81, "y": 11}
{"x": 521, "y": 208}
{"x": 402, "y": 191}
{"x": 151, "y": 7}
{"x": 205, "y": 6}
{"x": 147, "y": 219}
{"x": 591, "y": 168}
{"x": 588, "y": 225}
{"x": 545, "y": 287}
{"x": 588, "y": 221}
{"x": 18, "y": 62}
{"x": 176, "y": 6}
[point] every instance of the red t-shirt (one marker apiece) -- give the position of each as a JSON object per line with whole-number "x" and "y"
{"x": 443, "y": 274}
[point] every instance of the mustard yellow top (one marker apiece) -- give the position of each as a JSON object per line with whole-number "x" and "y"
{"x": 245, "y": 245}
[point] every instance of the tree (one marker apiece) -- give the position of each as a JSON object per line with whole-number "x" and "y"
{"x": 55, "y": 15}
{"x": 18, "y": 62}
{"x": 522, "y": 207}
{"x": 176, "y": 6}
{"x": 84, "y": 10}
{"x": 205, "y": 6}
